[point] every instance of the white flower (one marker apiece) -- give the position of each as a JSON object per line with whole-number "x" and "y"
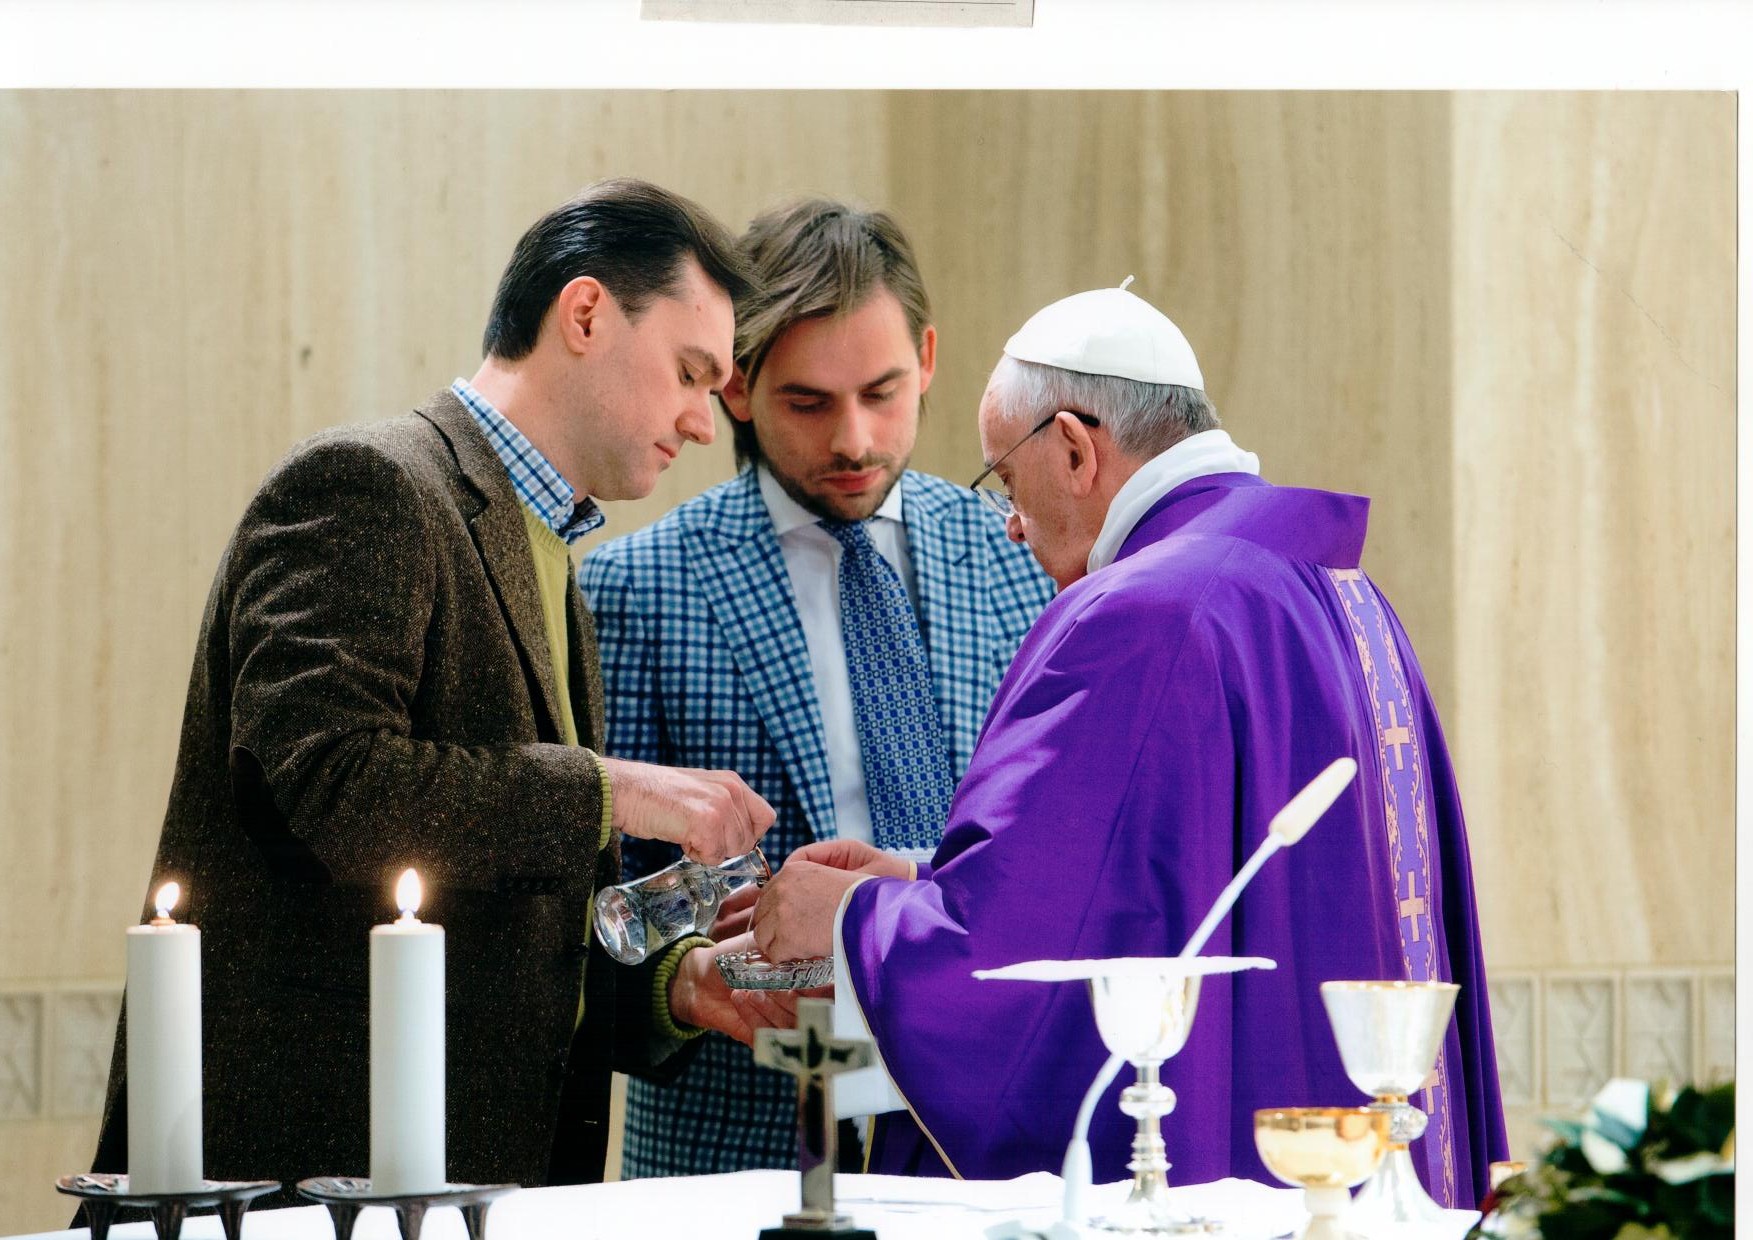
{"x": 1624, "y": 1102}
{"x": 1692, "y": 1167}
{"x": 1604, "y": 1156}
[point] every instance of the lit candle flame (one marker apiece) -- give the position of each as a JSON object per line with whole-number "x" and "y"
{"x": 167, "y": 898}
{"x": 408, "y": 892}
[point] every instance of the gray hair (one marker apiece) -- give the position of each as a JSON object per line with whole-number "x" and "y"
{"x": 1143, "y": 418}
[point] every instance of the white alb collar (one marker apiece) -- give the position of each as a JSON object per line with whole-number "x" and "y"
{"x": 1197, "y": 456}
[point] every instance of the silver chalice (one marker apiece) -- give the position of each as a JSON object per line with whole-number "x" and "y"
{"x": 1145, "y": 1018}
{"x": 1144, "y": 1012}
{"x": 1389, "y": 1035}
{"x": 1144, "y": 1008}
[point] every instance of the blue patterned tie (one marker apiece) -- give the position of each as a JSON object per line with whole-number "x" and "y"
{"x": 907, "y": 778}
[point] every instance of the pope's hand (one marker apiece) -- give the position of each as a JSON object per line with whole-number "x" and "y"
{"x": 700, "y": 996}
{"x": 854, "y": 855}
{"x": 713, "y": 815}
{"x": 795, "y": 915}
{"x": 735, "y": 915}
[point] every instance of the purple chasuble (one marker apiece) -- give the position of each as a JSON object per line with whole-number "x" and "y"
{"x": 1156, "y": 717}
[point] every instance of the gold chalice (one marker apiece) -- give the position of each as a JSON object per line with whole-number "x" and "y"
{"x": 1324, "y": 1151}
{"x": 1389, "y": 1034}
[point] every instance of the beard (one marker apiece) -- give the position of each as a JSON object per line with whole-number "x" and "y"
{"x": 835, "y": 507}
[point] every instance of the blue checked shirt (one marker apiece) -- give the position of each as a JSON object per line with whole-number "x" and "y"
{"x": 537, "y": 483}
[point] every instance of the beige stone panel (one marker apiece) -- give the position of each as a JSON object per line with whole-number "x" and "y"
{"x": 35, "y": 1153}
{"x": 1298, "y": 239}
{"x": 98, "y": 597}
{"x": 1594, "y": 304}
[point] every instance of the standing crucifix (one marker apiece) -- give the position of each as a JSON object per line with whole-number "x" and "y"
{"x": 814, "y": 1057}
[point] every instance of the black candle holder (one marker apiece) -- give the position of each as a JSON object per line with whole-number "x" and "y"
{"x": 101, "y": 1194}
{"x": 345, "y": 1196}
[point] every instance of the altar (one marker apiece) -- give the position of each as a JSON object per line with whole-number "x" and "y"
{"x": 739, "y": 1205}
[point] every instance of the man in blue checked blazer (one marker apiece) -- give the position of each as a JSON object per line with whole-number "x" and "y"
{"x": 828, "y": 624}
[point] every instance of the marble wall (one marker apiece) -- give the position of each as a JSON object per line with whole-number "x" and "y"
{"x": 1507, "y": 318}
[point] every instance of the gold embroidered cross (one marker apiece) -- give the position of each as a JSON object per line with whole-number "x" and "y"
{"x": 1395, "y": 736}
{"x": 1351, "y": 575}
{"x": 1413, "y": 906}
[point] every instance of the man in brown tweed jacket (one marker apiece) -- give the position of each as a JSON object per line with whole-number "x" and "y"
{"x": 376, "y": 686}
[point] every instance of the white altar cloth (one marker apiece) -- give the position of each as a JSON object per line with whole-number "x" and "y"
{"x": 738, "y": 1206}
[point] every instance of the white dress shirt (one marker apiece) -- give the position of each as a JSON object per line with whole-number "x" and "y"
{"x": 812, "y": 559}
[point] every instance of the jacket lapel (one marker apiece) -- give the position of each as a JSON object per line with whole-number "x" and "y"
{"x": 735, "y": 553}
{"x": 504, "y": 546}
{"x": 947, "y": 556}
{"x": 585, "y": 677}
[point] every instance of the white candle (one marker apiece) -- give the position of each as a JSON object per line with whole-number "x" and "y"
{"x": 407, "y": 1050}
{"x": 164, "y": 1053}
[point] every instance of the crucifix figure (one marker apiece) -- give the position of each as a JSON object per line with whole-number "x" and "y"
{"x": 814, "y": 1056}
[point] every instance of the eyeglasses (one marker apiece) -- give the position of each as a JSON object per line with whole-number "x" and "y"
{"x": 999, "y": 501}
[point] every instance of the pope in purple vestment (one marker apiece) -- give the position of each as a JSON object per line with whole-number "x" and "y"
{"x": 1226, "y": 648}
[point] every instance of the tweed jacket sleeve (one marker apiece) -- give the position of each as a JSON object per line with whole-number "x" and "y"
{"x": 372, "y": 712}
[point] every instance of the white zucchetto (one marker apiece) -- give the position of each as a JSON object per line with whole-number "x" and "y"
{"x": 1108, "y": 331}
